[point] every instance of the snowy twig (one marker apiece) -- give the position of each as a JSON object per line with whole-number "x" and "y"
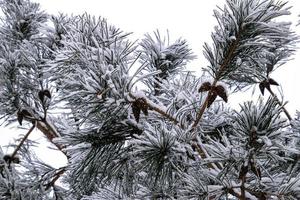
{"x": 49, "y": 132}
{"x": 152, "y": 106}
{"x": 202, "y": 109}
{"x": 225, "y": 63}
{"x": 56, "y": 176}
{"x": 280, "y": 104}
{"x": 22, "y": 141}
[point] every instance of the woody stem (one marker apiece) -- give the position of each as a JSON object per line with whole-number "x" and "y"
{"x": 55, "y": 178}
{"x": 22, "y": 141}
{"x": 160, "y": 111}
{"x": 229, "y": 56}
{"x": 280, "y": 104}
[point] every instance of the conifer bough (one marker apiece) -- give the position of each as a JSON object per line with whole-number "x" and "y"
{"x": 133, "y": 122}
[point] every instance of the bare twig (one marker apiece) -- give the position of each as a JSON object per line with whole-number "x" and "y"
{"x": 22, "y": 141}
{"x": 44, "y": 126}
{"x": 243, "y": 191}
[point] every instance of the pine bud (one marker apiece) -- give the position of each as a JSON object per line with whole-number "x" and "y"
{"x": 44, "y": 93}
{"x": 9, "y": 159}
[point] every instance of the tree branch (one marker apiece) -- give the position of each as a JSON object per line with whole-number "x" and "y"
{"x": 158, "y": 110}
{"x": 49, "y": 132}
{"x": 233, "y": 193}
{"x": 22, "y": 141}
{"x": 202, "y": 109}
{"x": 280, "y": 104}
{"x": 243, "y": 191}
{"x": 57, "y": 175}
{"x": 225, "y": 63}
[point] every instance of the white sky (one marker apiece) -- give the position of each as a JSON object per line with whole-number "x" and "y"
{"x": 190, "y": 19}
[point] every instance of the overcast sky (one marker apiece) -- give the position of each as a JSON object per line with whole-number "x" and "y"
{"x": 190, "y": 19}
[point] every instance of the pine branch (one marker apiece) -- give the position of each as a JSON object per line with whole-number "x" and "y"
{"x": 243, "y": 191}
{"x": 225, "y": 63}
{"x": 56, "y": 176}
{"x": 202, "y": 109}
{"x": 262, "y": 195}
{"x": 280, "y": 104}
{"x": 111, "y": 152}
{"x": 158, "y": 110}
{"x": 45, "y": 127}
{"x": 22, "y": 141}
{"x": 235, "y": 194}
{"x": 202, "y": 153}
{"x": 50, "y": 133}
